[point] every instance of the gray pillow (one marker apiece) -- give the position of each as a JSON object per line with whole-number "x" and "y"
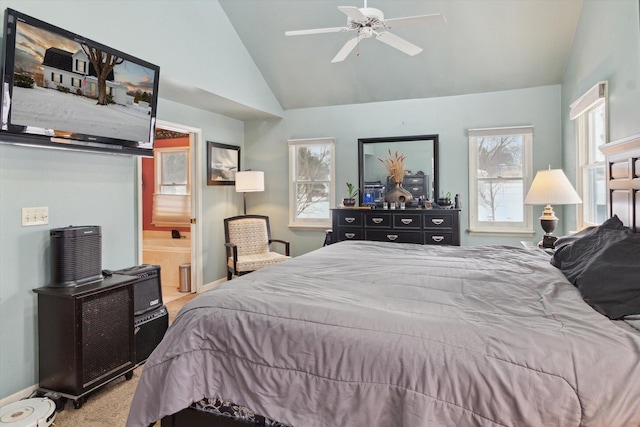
{"x": 563, "y": 243}
{"x": 605, "y": 266}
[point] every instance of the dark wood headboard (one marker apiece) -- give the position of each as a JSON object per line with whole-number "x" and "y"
{"x": 623, "y": 180}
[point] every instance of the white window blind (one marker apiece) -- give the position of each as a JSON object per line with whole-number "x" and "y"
{"x": 171, "y": 210}
{"x": 594, "y": 95}
{"x": 172, "y": 189}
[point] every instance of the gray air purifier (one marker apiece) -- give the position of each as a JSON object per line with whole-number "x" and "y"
{"x": 76, "y": 255}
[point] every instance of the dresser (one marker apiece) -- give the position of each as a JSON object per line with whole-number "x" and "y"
{"x": 422, "y": 226}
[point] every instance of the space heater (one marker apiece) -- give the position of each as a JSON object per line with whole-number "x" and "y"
{"x": 76, "y": 255}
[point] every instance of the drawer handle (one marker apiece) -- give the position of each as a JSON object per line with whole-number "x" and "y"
{"x": 437, "y": 238}
{"x": 437, "y": 221}
{"x": 349, "y": 235}
{"x": 377, "y": 220}
{"x": 349, "y": 220}
{"x": 406, "y": 221}
{"x": 415, "y": 188}
{"x": 392, "y": 237}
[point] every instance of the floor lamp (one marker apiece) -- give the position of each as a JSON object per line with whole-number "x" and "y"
{"x": 550, "y": 187}
{"x": 248, "y": 182}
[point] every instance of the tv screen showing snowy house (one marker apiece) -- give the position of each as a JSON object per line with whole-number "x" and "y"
{"x": 63, "y": 87}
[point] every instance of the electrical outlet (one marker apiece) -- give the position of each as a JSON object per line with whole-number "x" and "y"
{"x": 35, "y": 216}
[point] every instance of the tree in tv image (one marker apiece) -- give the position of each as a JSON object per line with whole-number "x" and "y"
{"x": 66, "y": 88}
{"x": 104, "y": 63}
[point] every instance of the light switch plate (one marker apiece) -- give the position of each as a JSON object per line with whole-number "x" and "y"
{"x": 35, "y": 216}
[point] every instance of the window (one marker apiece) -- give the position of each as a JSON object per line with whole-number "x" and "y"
{"x": 172, "y": 170}
{"x": 80, "y": 66}
{"x": 75, "y": 82}
{"x": 499, "y": 177}
{"x": 590, "y": 114}
{"x": 311, "y": 182}
{"x": 172, "y": 194}
{"x": 56, "y": 78}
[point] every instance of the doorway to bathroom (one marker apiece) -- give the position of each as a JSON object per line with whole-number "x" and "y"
{"x": 169, "y": 208}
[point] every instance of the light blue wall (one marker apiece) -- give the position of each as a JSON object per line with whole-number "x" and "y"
{"x": 87, "y": 188}
{"x": 79, "y": 189}
{"x": 450, "y": 117}
{"x": 606, "y": 47}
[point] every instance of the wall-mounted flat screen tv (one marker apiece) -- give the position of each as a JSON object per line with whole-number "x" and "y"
{"x": 66, "y": 91}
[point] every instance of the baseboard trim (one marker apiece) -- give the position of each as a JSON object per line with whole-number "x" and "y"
{"x": 22, "y": 394}
{"x": 212, "y": 285}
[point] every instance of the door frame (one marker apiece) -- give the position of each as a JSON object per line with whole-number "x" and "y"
{"x": 195, "y": 142}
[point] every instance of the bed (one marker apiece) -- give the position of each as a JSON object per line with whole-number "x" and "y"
{"x": 382, "y": 334}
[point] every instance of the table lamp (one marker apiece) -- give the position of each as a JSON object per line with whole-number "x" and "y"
{"x": 247, "y": 182}
{"x": 550, "y": 187}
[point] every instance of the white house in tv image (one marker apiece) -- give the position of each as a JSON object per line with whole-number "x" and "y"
{"x": 75, "y": 72}
{"x": 64, "y": 103}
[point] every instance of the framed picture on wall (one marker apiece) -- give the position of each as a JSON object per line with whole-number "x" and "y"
{"x": 223, "y": 161}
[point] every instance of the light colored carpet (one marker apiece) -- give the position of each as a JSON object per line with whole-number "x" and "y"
{"x": 109, "y": 405}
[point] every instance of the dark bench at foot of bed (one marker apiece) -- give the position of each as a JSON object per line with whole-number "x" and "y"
{"x": 191, "y": 417}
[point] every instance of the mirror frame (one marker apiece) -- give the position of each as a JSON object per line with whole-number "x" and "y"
{"x": 433, "y": 138}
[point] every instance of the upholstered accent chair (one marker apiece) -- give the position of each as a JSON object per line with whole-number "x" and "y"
{"x": 248, "y": 244}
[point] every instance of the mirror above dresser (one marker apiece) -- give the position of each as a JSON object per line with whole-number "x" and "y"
{"x": 420, "y": 164}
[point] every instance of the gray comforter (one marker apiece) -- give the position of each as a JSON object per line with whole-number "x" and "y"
{"x": 381, "y": 335}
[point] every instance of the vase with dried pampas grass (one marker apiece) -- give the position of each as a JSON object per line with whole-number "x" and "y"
{"x": 395, "y": 165}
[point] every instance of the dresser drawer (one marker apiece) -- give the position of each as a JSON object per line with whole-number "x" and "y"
{"x": 435, "y": 238}
{"x": 444, "y": 220}
{"x": 350, "y": 218}
{"x": 415, "y": 189}
{"x": 378, "y": 220}
{"x": 406, "y": 220}
{"x": 394, "y": 236}
{"x": 345, "y": 233}
{"x": 408, "y": 181}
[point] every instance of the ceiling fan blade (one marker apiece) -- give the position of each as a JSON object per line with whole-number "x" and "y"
{"x": 398, "y": 43}
{"x": 415, "y": 20}
{"x": 316, "y": 31}
{"x": 346, "y": 49}
{"x": 353, "y": 13}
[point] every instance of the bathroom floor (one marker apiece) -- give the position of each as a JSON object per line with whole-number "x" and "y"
{"x": 171, "y": 293}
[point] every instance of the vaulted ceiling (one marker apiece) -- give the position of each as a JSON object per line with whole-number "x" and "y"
{"x": 484, "y": 46}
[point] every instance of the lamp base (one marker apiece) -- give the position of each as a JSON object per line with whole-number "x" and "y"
{"x": 548, "y": 241}
{"x": 548, "y": 222}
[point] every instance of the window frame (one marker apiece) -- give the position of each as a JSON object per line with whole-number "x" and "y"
{"x": 170, "y": 210}
{"x": 81, "y": 66}
{"x": 157, "y": 158}
{"x": 293, "y": 145}
{"x": 580, "y": 110}
{"x": 476, "y": 227}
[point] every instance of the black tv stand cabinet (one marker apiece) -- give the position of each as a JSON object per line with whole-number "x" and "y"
{"x": 85, "y": 336}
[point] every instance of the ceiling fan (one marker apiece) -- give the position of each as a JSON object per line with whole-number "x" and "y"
{"x": 368, "y": 22}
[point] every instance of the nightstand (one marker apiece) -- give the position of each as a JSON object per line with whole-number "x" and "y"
{"x": 527, "y": 244}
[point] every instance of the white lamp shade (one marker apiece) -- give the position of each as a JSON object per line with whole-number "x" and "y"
{"x": 249, "y": 181}
{"x": 551, "y": 187}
